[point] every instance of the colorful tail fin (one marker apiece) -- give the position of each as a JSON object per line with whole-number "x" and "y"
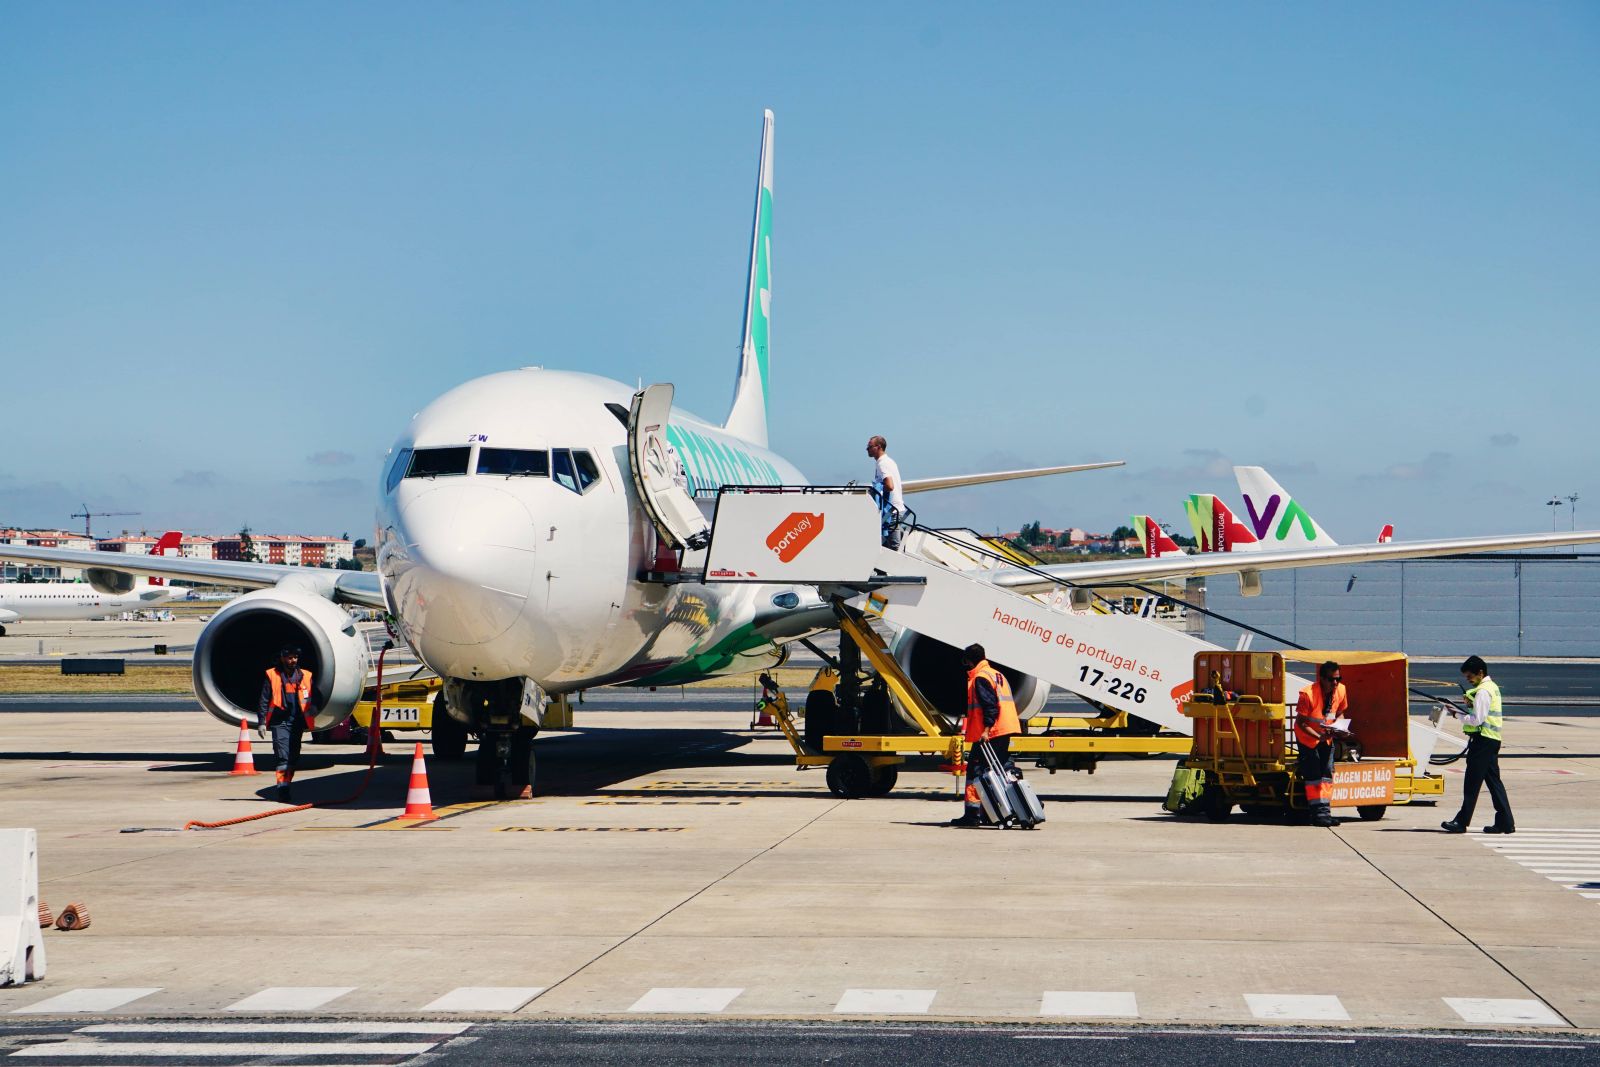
{"x": 1215, "y": 528}
{"x": 1386, "y": 534}
{"x": 748, "y": 416}
{"x": 1276, "y": 519}
{"x": 168, "y": 544}
{"x": 1153, "y": 538}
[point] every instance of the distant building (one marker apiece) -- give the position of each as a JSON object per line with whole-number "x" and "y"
{"x": 133, "y": 546}
{"x": 294, "y": 550}
{"x": 41, "y": 572}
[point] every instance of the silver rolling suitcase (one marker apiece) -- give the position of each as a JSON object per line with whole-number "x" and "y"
{"x": 1019, "y": 802}
{"x": 993, "y": 789}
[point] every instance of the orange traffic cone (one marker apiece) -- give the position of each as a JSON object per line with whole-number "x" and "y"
{"x": 244, "y": 760}
{"x": 419, "y": 805}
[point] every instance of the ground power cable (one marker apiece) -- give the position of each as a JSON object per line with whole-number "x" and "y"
{"x": 374, "y": 749}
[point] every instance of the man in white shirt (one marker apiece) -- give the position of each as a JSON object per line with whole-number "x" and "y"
{"x": 886, "y": 487}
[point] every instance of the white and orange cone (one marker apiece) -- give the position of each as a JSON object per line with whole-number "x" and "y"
{"x": 244, "y": 759}
{"x": 419, "y": 805}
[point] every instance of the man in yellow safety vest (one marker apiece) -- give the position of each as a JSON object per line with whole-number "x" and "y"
{"x": 1482, "y": 727}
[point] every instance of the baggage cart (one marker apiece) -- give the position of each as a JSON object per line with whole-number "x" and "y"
{"x": 1244, "y": 741}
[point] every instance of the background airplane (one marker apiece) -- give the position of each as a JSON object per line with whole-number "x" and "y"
{"x": 21, "y": 601}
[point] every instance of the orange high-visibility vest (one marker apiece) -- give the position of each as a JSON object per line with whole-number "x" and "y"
{"x": 303, "y": 690}
{"x": 1311, "y": 719}
{"x": 1008, "y": 723}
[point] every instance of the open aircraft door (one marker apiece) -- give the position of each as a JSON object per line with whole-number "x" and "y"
{"x": 655, "y": 468}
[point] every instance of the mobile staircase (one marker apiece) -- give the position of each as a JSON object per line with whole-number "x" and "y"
{"x": 953, "y": 588}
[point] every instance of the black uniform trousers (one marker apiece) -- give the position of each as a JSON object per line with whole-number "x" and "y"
{"x": 286, "y": 736}
{"x": 1315, "y": 765}
{"x": 1483, "y": 768}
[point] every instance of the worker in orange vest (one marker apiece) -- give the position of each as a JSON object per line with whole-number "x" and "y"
{"x": 991, "y": 717}
{"x": 287, "y": 710}
{"x": 1319, "y": 705}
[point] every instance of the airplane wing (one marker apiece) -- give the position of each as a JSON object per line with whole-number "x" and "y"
{"x": 350, "y": 587}
{"x": 1042, "y": 578}
{"x": 954, "y": 481}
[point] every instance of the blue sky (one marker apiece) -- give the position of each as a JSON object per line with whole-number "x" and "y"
{"x": 1354, "y": 243}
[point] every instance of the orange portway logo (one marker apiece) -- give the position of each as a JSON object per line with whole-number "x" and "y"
{"x": 792, "y": 535}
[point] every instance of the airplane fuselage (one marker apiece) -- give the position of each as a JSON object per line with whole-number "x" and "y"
{"x": 58, "y": 601}
{"x": 512, "y": 542}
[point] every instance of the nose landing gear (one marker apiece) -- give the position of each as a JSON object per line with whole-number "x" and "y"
{"x": 506, "y": 766}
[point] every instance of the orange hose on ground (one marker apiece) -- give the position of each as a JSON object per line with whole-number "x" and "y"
{"x": 374, "y": 746}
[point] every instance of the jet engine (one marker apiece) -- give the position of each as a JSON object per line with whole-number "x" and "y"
{"x": 936, "y": 669}
{"x": 108, "y": 582}
{"x": 243, "y": 639}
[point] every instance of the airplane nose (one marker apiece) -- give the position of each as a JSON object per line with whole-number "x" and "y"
{"x": 471, "y": 550}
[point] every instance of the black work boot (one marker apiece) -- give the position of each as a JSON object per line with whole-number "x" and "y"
{"x": 968, "y": 818}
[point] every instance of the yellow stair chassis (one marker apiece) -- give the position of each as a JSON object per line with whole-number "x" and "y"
{"x": 881, "y": 751}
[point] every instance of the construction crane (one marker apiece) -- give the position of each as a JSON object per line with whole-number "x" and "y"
{"x": 86, "y": 515}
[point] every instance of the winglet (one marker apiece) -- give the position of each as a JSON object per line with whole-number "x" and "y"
{"x": 748, "y": 416}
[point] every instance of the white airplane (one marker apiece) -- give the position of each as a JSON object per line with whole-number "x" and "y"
{"x": 541, "y": 531}
{"x": 114, "y": 593}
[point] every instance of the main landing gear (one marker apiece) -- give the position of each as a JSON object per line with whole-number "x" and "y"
{"x": 506, "y": 767}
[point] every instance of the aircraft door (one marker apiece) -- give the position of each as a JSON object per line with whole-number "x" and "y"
{"x": 655, "y": 469}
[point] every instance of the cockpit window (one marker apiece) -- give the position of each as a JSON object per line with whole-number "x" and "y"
{"x": 514, "y": 462}
{"x": 397, "y": 469}
{"x": 574, "y": 469}
{"x": 588, "y": 470}
{"x": 562, "y": 471}
{"x": 439, "y": 462}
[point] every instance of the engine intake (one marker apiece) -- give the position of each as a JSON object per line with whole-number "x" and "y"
{"x": 243, "y": 639}
{"x": 936, "y": 669}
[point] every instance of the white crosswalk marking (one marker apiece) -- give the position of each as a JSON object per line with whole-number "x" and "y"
{"x": 347, "y": 1043}
{"x": 1504, "y": 1012}
{"x": 886, "y": 1001}
{"x": 1095, "y": 1005}
{"x": 1295, "y": 1006}
{"x": 214, "y": 1050}
{"x": 1570, "y": 857}
{"x": 696, "y": 999}
{"x": 447, "y": 1029}
{"x": 290, "y": 998}
{"x": 85, "y": 1000}
{"x": 485, "y": 998}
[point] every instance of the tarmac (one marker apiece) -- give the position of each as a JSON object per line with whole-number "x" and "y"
{"x": 677, "y": 866}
